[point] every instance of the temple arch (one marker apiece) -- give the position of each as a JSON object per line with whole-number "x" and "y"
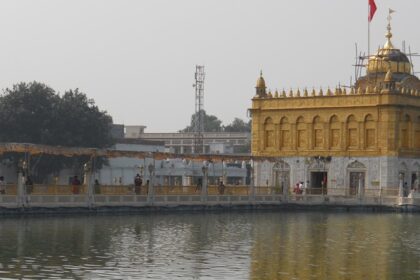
{"x": 301, "y": 133}
{"x": 281, "y": 176}
{"x": 268, "y": 133}
{"x": 318, "y": 132}
{"x": 356, "y": 174}
{"x": 335, "y": 130}
{"x": 352, "y": 132}
{"x": 370, "y": 131}
{"x": 285, "y": 139}
{"x": 405, "y": 131}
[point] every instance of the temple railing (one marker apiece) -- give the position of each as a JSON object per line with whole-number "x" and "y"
{"x": 130, "y": 195}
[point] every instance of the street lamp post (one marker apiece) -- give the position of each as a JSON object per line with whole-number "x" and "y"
{"x": 360, "y": 187}
{"x": 204, "y": 192}
{"x": 252, "y": 186}
{"x": 21, "y": 184}
{"x": 401, "y": 185}
{"x": 87, "y": 168}
{"x": 150, "y": 190}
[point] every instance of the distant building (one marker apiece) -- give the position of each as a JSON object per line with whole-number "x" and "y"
{"x": 214, "y": 142}
{"x": 117, "y": 131}
{"x": 134, "y": 131}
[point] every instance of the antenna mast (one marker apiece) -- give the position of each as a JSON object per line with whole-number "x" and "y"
{"x": 199, "y": 110}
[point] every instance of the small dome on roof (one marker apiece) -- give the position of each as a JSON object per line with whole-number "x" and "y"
{"x": 388, "y": 76}
{"x": 261, "y": 82}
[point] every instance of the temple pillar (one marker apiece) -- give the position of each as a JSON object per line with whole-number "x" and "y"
{"x": 204, "y": 193}
{"x": 90, "y": 198}
{"x": 150, "y": 187}
{"x": 360, "y": 191}
{"x": 401, "y": 185}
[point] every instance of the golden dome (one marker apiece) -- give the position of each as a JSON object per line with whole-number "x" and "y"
{"x": 389, "y": 57}
{"x": 261, "y": 82}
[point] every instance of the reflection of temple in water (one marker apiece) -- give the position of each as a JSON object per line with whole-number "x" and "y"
{"x": 337, "y": 139}
{"x": 324, "y": 246}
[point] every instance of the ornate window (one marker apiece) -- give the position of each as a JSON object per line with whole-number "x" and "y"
{"x": 352, "y": 132}
{"x": 269, "y": 133}
{"x": 417, "y": 134}
{"x": 285, "y": 140}
{"x": 301, "y": 133}
{"x": 370, "y": 132}
{"x": 334, "y": 132}
{"x": 405, "y": 127}
{"x": 318, "y": 133}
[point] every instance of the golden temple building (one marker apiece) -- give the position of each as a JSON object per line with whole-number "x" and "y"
{"x": 338, "y": 139}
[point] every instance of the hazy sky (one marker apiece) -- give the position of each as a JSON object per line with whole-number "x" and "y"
{"x": 137, "y": 58}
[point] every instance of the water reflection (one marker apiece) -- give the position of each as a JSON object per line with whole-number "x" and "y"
{"x": 263, "y": 245}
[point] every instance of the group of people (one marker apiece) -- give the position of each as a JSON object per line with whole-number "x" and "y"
{"x": 299, "y": 188}
{"x": 29, "y": 185}
{"x": 220, "y": 188}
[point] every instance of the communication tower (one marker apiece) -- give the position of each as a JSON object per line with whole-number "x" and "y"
{"x": 198, "y": 127}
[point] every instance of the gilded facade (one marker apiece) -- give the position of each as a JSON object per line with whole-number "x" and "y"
{"x": 373, "y": 126}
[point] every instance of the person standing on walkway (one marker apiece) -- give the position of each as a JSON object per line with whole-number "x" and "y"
{"x": 29, "y": 185}
{"x": 97, "y": 187}
{"x": 137, "y": 184}
{"x": 2, "y": 185}
{"x": 221, "y": 188}
{"x": 75, "y": 185}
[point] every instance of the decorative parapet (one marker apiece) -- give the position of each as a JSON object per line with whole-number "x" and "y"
{"x": 341, "y": 91}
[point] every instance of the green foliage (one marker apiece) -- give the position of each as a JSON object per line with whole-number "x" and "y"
{"x": 238, "y": 125}
{"x": 35, "y": 113}
{"x": 211, "y": 123}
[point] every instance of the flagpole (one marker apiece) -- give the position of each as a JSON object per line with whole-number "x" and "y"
{"x": 368, "y": 29}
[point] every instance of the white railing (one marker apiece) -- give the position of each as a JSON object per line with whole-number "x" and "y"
{"x": 63, "y": 196}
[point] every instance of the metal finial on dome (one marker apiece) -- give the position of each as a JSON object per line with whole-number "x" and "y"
{"x": 283, "y": 93}
{"x": 388, "y": 35}
{"x": 329, "y": 93}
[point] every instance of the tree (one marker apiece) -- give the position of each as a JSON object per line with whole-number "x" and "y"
{"x": 238, "y": 125}
{"x": 35, "y": 113}
{"x": 27, "y": 114}
{"x": 211, "y": 123}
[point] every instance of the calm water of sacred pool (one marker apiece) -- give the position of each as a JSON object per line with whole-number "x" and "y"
{"x": 219, "y": 245}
